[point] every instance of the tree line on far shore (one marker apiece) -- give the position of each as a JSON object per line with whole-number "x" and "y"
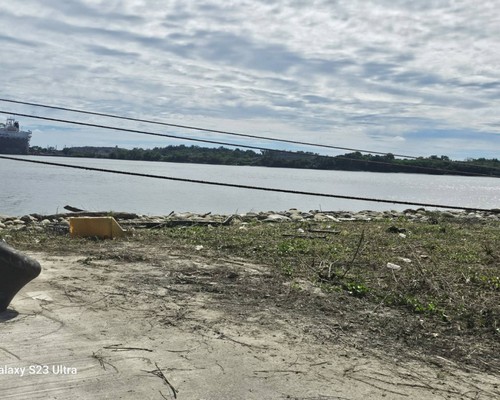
{"x": 355, "y": 161}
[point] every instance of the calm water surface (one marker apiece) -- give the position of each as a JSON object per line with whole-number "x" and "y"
{"x": 27, "y": 188}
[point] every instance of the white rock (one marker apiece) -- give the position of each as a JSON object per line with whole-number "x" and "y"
{"x": 276, "y": 218}
{"x": 394, "y": 267}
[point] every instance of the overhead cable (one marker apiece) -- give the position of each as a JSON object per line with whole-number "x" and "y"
{"x": 325, "y": 146}
{"x": 176, "y": 137}
{"x": 239, "y": 186}
{"x": 116, "y": 128}
{"x": 223, "y": 132}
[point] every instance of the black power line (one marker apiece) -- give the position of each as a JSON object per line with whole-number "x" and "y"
{"x": 142, "y": 132}
{"x": 240, "y": 135}
{"x": 239, "y": 186}
{"x": 325, "y": 146}
{"x": 116, "y": 128}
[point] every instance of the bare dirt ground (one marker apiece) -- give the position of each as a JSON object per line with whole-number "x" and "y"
{"x": 192, "y": 326}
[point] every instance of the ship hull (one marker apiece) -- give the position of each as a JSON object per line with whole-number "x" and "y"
{"x": 14, "y": 145}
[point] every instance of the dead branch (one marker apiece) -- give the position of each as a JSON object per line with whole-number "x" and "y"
{"x": 332, "y": 232}
{"x": 117, "y": 215}
{"x": 162, "y": 395}
{"x": 182, "y": 351}
{"x": 102, "y": 361}
{"x": 351, "y": 263}
{"x": 121, "y": 348}
{"x": 304, "y": 236}
{"x": 159, "y": 373}
{"x": 10, "y": 352}
{"x": 223, "y": 336}
{"x": 281, "y": 371}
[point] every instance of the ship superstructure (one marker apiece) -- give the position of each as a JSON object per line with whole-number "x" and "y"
{"x": 12, "y": 139}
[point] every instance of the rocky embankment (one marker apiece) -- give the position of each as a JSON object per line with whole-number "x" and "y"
{"x": 60, "y": 222}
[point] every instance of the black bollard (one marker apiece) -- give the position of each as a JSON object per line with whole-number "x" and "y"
{"x": 16, "y": 270}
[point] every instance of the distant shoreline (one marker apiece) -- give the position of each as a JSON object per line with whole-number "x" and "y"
{"x": 356, "y": 161}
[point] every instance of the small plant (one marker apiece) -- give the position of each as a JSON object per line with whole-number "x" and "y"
{"x": 492, "y": 282}
{"x": 287, "y": 269}
{"x": 488, "y": 282}
{"x": 356, "y": 289}
{"x": 290, "y": 247}
{"x": 418, "y": 306}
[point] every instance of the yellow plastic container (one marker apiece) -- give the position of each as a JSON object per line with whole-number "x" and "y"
{"x": 101, "y": 227}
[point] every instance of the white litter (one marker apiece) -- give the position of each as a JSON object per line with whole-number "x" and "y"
{"x": 393, "y": 266}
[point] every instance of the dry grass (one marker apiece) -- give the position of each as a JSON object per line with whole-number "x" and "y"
{"x": 444, "y": 299}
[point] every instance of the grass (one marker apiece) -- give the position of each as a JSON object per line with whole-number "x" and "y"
{"x": 449, "y": 270}
{"x": 448, "y": 275}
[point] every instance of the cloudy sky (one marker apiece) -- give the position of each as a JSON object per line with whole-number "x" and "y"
{"x": 402, "y": 76}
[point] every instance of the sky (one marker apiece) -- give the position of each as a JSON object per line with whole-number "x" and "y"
{"x": 401, "y": 76}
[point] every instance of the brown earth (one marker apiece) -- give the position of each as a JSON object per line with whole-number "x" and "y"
{"x": 129, "y": 321}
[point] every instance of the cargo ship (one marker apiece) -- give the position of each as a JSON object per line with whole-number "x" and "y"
{"x": 12, "y": 139}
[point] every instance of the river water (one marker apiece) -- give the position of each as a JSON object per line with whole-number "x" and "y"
{"x": 29, "y": 188}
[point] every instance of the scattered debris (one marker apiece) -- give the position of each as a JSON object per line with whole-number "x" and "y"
{"x": 100, "y": 227}
{"x": 395, "y": 267}
{"x": 395, "y": 229}
{"x": 159, "y": 373}
{"x": 119, "y": 347}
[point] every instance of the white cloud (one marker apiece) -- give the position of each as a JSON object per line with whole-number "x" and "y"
{"x": 355, "y": 73}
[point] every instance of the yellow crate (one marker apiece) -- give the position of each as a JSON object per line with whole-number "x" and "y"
{"x": 101, "y": 227}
